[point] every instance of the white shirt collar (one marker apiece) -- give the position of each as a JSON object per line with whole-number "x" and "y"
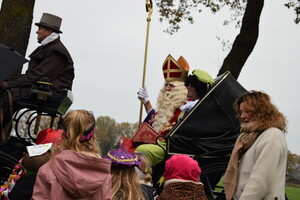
{"x": 50, "y": 38}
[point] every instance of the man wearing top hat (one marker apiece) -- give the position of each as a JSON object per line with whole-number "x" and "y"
{"x": 51, "y": 59}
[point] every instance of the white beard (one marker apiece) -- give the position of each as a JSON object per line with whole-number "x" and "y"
{"x": 167, "y": 103}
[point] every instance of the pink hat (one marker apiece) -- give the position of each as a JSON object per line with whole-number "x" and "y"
{"x": 182, "y": 167}
{"x": 122, "y": 157}
{"x": 49, "y": 135}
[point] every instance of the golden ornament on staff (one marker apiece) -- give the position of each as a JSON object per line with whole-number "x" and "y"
{"x": 149, "y": 10}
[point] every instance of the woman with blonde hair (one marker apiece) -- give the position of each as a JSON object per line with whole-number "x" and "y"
{"x": 76, "y": 170}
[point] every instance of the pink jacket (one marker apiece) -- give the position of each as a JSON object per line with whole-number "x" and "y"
{"x": 72, "y": 175}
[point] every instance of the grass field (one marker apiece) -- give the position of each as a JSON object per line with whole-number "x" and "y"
{"x": 292, "y": 190}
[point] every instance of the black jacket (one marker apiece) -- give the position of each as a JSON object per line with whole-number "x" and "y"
{"x": 52, "y": 61}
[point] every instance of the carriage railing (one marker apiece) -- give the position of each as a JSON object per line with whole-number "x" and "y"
{"x": 40, "y": 106}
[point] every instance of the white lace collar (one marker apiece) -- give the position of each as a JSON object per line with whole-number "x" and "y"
{"x": 188, "y": 105}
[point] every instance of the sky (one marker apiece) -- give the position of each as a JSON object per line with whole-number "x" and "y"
{"x": 106, "y": 40}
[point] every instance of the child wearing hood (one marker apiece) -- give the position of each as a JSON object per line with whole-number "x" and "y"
{"x": 181, "y": 178}
{"x": 76, "y": 171}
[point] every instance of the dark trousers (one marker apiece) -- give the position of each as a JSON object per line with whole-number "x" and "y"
{"x": 7, "y": 112}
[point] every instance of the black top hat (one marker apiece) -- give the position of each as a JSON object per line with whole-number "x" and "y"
{"x": 50, "y": 21}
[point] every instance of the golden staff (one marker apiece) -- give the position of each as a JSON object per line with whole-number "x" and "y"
{"x": 149, "y": 10}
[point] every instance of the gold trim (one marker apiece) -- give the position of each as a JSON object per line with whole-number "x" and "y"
{"x": 215, "y": 156}
{"x": 45, "y": 83}
{"x": 122, "y": 160}
{"x": 149, "y": 10}
{"x": 180, "y": 69}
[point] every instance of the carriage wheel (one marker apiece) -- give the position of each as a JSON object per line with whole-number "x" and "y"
{"x": 25, "y": 123}
{"x": 213, "y": 171}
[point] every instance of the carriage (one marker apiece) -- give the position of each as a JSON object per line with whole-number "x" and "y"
{"x": 208, "y": 132}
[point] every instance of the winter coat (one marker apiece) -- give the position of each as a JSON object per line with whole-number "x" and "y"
{"x": 71, "y": 175}
{"x": 23, "y": 189}
{"x": 177, "y": 189}
{"x": 262, "y": 168}
{"x": 148, "y": 191}
{"x": 52, "y": 61}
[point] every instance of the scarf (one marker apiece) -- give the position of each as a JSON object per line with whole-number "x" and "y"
{"x": 249, "y": 133}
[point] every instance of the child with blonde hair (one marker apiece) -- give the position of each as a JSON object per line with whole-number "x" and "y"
{"x": 125, "y": 181}
{"x": 76, "y": 170}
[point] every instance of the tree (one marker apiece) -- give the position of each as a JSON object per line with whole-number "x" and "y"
{"x": 105, "y": 131}
{"x": 18, "y": 13}
{"x": 293, "y": 164}
{"x": 295, "y": 4}
{"x": 15, "y": 25}
{"x": 109, "y": 132}
{"x": 245, "y": 41}
{"x": 293, "y": 168}
{"x": 127, "y": 129}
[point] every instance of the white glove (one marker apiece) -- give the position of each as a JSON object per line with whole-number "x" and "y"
{"x": 143, "y": 95}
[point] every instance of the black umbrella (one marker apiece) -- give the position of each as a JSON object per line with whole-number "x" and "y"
{"x": 10, "y": 61}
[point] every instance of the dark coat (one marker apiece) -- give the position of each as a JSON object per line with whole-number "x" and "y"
{"x": 182, "y": 190}
{"x": 23, "y": 189}
{"x": 148, "y": 192}
{"x": 52, "y": 61}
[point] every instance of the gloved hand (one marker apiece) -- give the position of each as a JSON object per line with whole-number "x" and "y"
{"x": 143, "y": 94}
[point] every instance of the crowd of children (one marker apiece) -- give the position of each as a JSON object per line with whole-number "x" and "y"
{"x": 74, "y": 169}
